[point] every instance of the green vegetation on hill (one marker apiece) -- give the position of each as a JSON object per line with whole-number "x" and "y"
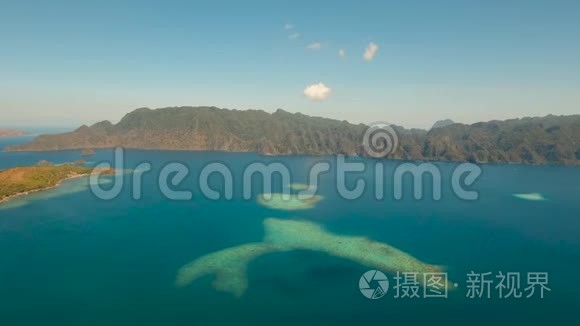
{"x": 21, "y": 180}
{"x": 551, "y": 139}
{"x": 209, "y": 128}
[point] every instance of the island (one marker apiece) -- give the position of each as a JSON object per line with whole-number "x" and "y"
{"x": 541, "y": 140}
{"x": 11, "y": 133}
{"x": 87, "y": 152}
{"x": 19, "y": 181}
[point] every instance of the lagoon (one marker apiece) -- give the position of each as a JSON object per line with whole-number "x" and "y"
{"x": 67, "y": 257}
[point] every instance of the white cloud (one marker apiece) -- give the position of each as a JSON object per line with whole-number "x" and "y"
{"x": 370, "y": 51}
{"x": 317, "y": 92}
{"x": 294, "y": 36}
{"x": 288, "y": 26}
{"x": 314, "y": 46}
{"x": 341, "y": 52}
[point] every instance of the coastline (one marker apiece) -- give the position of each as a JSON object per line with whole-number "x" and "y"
{"x": 351, "y": 155}
{"x": 26, "y": 193}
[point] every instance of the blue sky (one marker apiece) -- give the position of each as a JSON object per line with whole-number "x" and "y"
{"x": 72, "y": 62}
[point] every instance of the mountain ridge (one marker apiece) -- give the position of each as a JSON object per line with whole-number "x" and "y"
{"x": 537, "y": 140}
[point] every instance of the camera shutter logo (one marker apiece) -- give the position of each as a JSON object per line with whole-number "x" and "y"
{"x": 376, "y": 278}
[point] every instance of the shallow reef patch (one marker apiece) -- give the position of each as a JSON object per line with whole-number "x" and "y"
{"x": 289, "y": 202}
{"x": 535, "y": 196}
{"x": 230, "y": 265}
{"x": 67, "y": 187}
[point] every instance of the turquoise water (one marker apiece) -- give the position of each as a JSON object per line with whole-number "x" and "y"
{"x": 68, "y": 258}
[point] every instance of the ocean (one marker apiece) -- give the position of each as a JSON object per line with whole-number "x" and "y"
{"x": 70, "y": 258}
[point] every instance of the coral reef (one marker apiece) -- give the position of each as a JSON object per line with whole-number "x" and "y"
{"x": 230, "y": 265}
{"x": 289, "y": 202}
{"x": 299, "y": 186}
{"x": 531, "y": 196}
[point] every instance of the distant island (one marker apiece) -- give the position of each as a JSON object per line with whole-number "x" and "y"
{"x": 550, "y": 139}
{"x": 11, "y": 133}
{"x": 21, "y": 181}
{"x": 87, "y": 152}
